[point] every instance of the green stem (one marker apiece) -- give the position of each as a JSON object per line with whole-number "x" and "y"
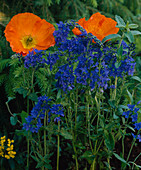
{"x": 40, "y": 146}
{"x": 76, "y": 102}
{"x": 58, "y": 145}
{"x": 98, "y": 108}
{"x": 28, "y": 151}
{"x": 73, "y": 135}
{"x": 76, "y": 160}
{"x": 115, "y": 90}
{"x": 123, "y": 144}
{"x": 134, "y": 140}
{"x": 45, "y": 134}
{"x": 88, "y": 118}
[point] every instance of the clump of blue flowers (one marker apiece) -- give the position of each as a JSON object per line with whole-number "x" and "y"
{"x": 34, "y": 120}
{"x": 88, "y": 63}
{"x": 132, "y": 113}
{"x": 38, "y": 58}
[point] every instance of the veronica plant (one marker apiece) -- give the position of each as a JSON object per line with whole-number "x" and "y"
{"x": 80, "y": 83}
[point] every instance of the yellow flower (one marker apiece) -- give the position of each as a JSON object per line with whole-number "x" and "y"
{"x": 7, "y": 156}
{"x": 11, "y": 153}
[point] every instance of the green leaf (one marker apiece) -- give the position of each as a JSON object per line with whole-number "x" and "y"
{"x": 65, "y": 134}
{"x": 22, "y": 91}
{"x": 10, "y": 98}
{"x": 117, "y": 64}
{"x": 23, "y": 115}
{"x": 136, "y": 78}
{"x": 57, "y": 1}
{"x": 130, "y": 128}
{"x": 33, "y": 97}
{"x": 59, "y": 94}
{"x": 109, "y": 140}
{"x": 89, "y": 156}
{"x": 139, "y": 117}
{"x": 34, "y": 158}
{"x": 13, "y": 119}
{"x": 130, "y": 96}
{"x": 120, "y": 51}
{"x": 112, "y": 103}
{"x": 120, "y": 26}
{"x": 111, "y": 36}
{"x": 94, "y": 3}
{"x": 119, "y": 20}
{"x": 40, "y": 164}
{"x": 129, "y": 36}
{"x": 132, "y": 26}
{"x": 137, "y": 166}
{"x": 136, "y": 32}
{"x": 119, "y": 158}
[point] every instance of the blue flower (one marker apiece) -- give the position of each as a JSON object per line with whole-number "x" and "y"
{"x": 33, "y": 121}
{"x": 126, "y": 114}
{"x": 134, "y": 117}
{"x": 137, "y": 126}
{"x": 65, "y": 78}
{"x": 34, "y": 59}
{"x": 57, "y": 110}
{"x": 139, "y": 137}
{"x": 131, "y": 107}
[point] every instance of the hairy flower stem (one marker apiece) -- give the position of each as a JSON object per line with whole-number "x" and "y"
{"x": 76, "y": 103}
{"x": 75, "y": 135}
{"x": 27, "y": 138}
{"x": 98, "y": 108}
{"x": 88, "y": 117}
{"x": 123, "y": 143}
{"x": 58, "y": 138}
{"x": 45, "y": 119}
{"x": 115, "y": 90}
{"x": 28, "y": 151}
{"x": 134, "y": 140}
{"x": 72, "y": 130}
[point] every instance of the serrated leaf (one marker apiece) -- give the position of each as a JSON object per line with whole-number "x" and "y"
{"x": 129, "y": 36}
{"x": 119, "y": 20}
{"x": 111, "y": 36}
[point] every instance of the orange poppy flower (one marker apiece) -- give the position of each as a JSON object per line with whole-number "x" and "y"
{"x": 26, "y": 31}
{"x": 98, "y": 25}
